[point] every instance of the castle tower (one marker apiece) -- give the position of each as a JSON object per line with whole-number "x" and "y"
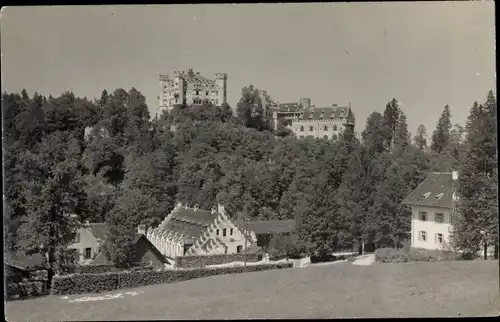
{"x": 178, "y": 88}
{"x": 221, "y": 81}
{"x": 305, "y": 102}
{"x": 162, "y": 99}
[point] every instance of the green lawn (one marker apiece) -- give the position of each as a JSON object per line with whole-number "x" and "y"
{"x": 465, "y": 288}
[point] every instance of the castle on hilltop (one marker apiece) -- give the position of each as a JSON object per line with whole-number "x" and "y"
{"x": 191, "y": 88}
{"x": 306, "y": 120}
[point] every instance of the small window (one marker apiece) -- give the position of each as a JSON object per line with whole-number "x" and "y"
{"x": 224, "y": 231}
{"x": 311, "y": 129}
{"x": 197, "y": 92}
{"x": 423, "y": 216}
{"x": 88, "y": 253}
{"x": 440, "y": 218}
{"x": 325, "y": 128}
{"x": 207, "y": 93}
{"x": 301, "y": 129}
{"x": 217, "y": 232}
{"x": 423, "y": 236}
{"x": 231, "y": 232}
{"x": 239, "y": 249}
{"x": 335, "y": 127}
{"x": 439, "y": 238}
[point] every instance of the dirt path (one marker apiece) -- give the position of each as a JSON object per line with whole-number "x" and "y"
{"x": 365, "y": 260}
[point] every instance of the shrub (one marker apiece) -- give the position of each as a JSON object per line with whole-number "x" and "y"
{"x": 24, "y": 289}
{"x": 96, "y": 283}
{"x": 326, "y": 258}
{"x": 96, "y": 269}
{"x": 428, "y": 255}
{"x": 390, "y": 255}
{"x": 84, "y": 283}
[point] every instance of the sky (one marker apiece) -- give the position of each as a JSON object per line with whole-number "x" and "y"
{"x": 424, "y": 54}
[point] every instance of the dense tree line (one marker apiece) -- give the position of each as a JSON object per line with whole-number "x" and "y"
{"x": 106, "y": 160}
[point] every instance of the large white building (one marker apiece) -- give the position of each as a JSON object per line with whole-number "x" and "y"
{"x": 190, "y": 88}
{"x": 306, "y": 120}
{"x": 431, "y": 204}
{"x": 193, "y": 231}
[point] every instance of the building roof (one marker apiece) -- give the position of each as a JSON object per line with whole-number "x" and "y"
{"x": 189, "y": 222}
{"x": 26, "y": 262}
{"x": 317, "y": 113}
{"x": 272, "y": 226}
{"x": 195, "y": 78}
{"x": 289, "y": 107}
{"x": 435, "y": 191}
{"x": 102, "y": 259}
{"x": 98, "y": 230}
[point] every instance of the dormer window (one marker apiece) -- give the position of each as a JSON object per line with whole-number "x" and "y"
{"x": 439, "y": 196}
{"x": 426, "y": 195}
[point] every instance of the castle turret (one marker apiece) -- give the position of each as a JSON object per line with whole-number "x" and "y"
{"x": 305, "y": 102}
{"x": 221, "y": 81}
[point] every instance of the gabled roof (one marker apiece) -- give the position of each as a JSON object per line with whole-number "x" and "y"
{"x": 289, "y": 107}
{"x": 189, "y": 222}
{"x": 98, "y": 230}
{"x": 435, "y": 191}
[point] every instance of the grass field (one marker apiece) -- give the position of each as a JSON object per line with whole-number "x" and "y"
{"x": 465, "y": 288}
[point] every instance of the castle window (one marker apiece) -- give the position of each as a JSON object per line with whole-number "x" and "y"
{"x": 440, "y": 218}
{"x": 207, "y": 93}
{"x": 217, "y": 232}
{"x": 197, "y": 92}
{"x": 239, "y": 249}
{"x": 423, "y": 215}
{"x": 224, "y": 232}
{"x": 325, "y": 128}
{"x": 231, "y": 232}
{"x": 423, "y": 235}
{"x": 311, "y": 129}
{"x": 301, "y": 128}
{"x": 439, "y": 238}
{"x": 335, "y": 127}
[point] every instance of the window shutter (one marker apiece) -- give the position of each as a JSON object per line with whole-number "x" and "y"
{"x": 435, "y": 238}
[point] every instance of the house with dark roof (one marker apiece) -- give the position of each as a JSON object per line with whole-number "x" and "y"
{"x": 431, "y": 204}
{"x": 193, "y": 231}
{"x": 88, "y": 240}
{"x": 306, "y": 120}
{"x": 146, "y": 254}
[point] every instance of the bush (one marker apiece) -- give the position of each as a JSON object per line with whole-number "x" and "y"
{"x": 84, "y": 283}
{"x": 427, "y": 255}
{"x": 390, "y": 255}
{"x": 96, "y": 283}
{"x": 96, "y": 269}
{"x": 326, "y": 258}
{"x": 24, "y": 289}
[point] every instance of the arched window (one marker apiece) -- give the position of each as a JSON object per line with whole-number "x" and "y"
{"x": 311, "y": 128}
{"x": 335, "y": 127}
{"x": 301, "y": 129}
{"x": 239, "y": 249}
{"x": 325, "y": 128}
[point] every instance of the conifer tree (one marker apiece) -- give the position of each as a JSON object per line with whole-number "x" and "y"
{"x": 420, "y": 138}
{"x": 441, "y": 136}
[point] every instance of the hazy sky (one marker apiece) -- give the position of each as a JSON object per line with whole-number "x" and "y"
{"x": 426, "y": 54}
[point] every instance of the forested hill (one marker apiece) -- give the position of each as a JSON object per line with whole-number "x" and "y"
{"x": 132, "y": 169}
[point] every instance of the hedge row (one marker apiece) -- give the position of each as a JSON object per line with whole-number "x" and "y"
{"x": 24, "y": 289}
{"x": 96, "y": 283}
{"x": 95, "y": 269}
{"x": 205, "y": 260}
{"x": 392, "y": 255}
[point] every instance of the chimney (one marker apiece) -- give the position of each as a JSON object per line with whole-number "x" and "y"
{"x": 141, "y": 229}
{"x": 454, "y": 175}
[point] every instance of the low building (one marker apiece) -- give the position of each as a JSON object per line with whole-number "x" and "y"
{"x": 146, "y": 254}
{"x": 192, "y": 231}
{"x": 88, "y": 240}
